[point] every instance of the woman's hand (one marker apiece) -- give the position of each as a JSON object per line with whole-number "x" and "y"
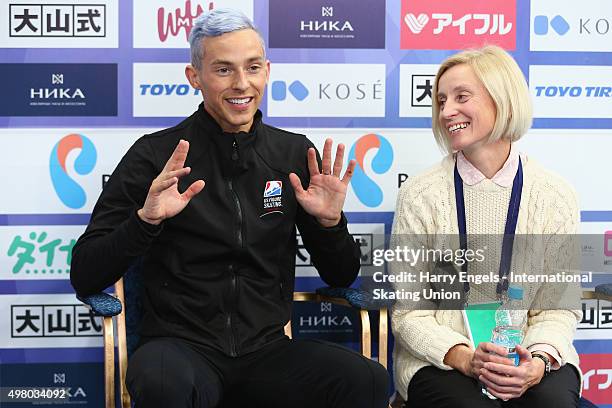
{"x": 509, "y": 381}
{"x": 488, "y": 353}
{"x": 459, "y": 357}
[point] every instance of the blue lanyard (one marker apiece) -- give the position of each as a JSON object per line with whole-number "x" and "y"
{"x": 509, "y": 230}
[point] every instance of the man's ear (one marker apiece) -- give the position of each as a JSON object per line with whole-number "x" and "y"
{"x": 267, "y": 71}
{"x": 192, "y": 76}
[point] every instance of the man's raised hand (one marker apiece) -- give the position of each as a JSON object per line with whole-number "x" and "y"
{"x": 324, "y": 197}
{"x": 164, "y": 200}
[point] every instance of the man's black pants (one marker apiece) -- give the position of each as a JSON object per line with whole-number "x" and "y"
{"x": 168, "y": 372}
{"x": 433, "y": 387}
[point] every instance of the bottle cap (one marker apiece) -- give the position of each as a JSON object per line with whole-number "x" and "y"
{"x": 515, "y": 293}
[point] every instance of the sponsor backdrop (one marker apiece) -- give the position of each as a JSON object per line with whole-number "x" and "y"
{"x": 85, "y": 79}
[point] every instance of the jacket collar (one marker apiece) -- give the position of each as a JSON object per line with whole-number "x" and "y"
{"x": 233, "y": 148}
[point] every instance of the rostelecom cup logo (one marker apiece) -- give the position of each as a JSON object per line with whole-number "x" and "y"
{"x": 68, "y": 190}
{"x": 366, "y": 189}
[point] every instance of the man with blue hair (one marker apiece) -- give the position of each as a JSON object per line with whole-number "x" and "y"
{"x": 219, "y": 261}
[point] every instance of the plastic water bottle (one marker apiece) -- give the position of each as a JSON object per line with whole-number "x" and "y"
{"x": 510, "y": 321}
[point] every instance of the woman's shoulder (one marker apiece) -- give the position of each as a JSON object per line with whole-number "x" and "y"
{"x": 430, "y": 181}
{"x": 550, "y": 185}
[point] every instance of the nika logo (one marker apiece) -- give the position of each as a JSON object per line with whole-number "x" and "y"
{"x": 272, "y": 201}
{"x": 50, "y": 96}
{"x": 67, "y": 189}
{"x": 448, "y": 24}
{"x": 310, "y": 26}
{"x": 327, "y": 24}
{"x": 366, "y": 189}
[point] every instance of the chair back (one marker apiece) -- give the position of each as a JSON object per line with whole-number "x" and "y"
{"x": 132, "y": 291}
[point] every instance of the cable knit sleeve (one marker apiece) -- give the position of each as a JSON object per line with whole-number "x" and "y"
{"x": 555, "y": 310}
{"x": 414, "y": 324}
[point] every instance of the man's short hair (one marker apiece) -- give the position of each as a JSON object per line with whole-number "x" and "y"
{"x": 215, "y": 23}
{"x": 503, "y": 79}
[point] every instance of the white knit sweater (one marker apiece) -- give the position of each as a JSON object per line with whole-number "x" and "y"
{"x": 426, "y": 212}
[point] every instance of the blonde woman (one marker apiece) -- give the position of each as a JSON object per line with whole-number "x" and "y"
{"x": 484, "y": 186}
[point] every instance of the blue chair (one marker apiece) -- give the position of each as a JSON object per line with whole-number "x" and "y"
{"x": 127, "y": 293}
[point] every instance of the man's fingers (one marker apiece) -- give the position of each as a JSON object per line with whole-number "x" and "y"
{"x": 348, "y": 174}
{"x": 175, "y": 173}
{"x": 326, "y": 161}
{"x": 296, "y": 184}
{"x": 339, "y": 160}
{"x": 160, "y": 185}
{"x": 193, "y": 189}
{"x": 313, "y": 166}
{"x": 178, "y": 157}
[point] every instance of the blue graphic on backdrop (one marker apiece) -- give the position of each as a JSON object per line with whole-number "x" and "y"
{"x": 68, "y": 190}
{"x": 296, "y": 88}
{"x": 59, "y": 90}
{"x": 327, "y": 24}
{"x": 558, "y": 23}
{"x": 366, "y": 190}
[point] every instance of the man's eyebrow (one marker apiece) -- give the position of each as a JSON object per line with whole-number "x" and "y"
{"x": 225, "y": 62}
{"x": 220, "y": 62}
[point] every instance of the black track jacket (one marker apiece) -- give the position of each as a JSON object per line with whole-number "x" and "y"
{"x": 220, "y": 273}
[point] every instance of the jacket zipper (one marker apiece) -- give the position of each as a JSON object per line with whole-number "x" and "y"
{"x": 233, "y": 347}
{"x": 230, "y": 326}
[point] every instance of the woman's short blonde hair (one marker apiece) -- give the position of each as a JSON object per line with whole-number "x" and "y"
{"x": 503, "y": 79}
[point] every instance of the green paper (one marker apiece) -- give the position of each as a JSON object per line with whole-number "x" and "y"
{"x": 480, "y": 321}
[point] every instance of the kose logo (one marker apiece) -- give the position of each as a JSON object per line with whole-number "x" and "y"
{"x": 366, "y": 189}
{"x": 586, "y": 26}
{"x": 564, "y": 26}
{"x": 68, "y": 190}
{"x": 167, "y": 89}
{"x": 325, "y": 90}
{"x": 296, "y": 88}
{"x": 558, "y": 23}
